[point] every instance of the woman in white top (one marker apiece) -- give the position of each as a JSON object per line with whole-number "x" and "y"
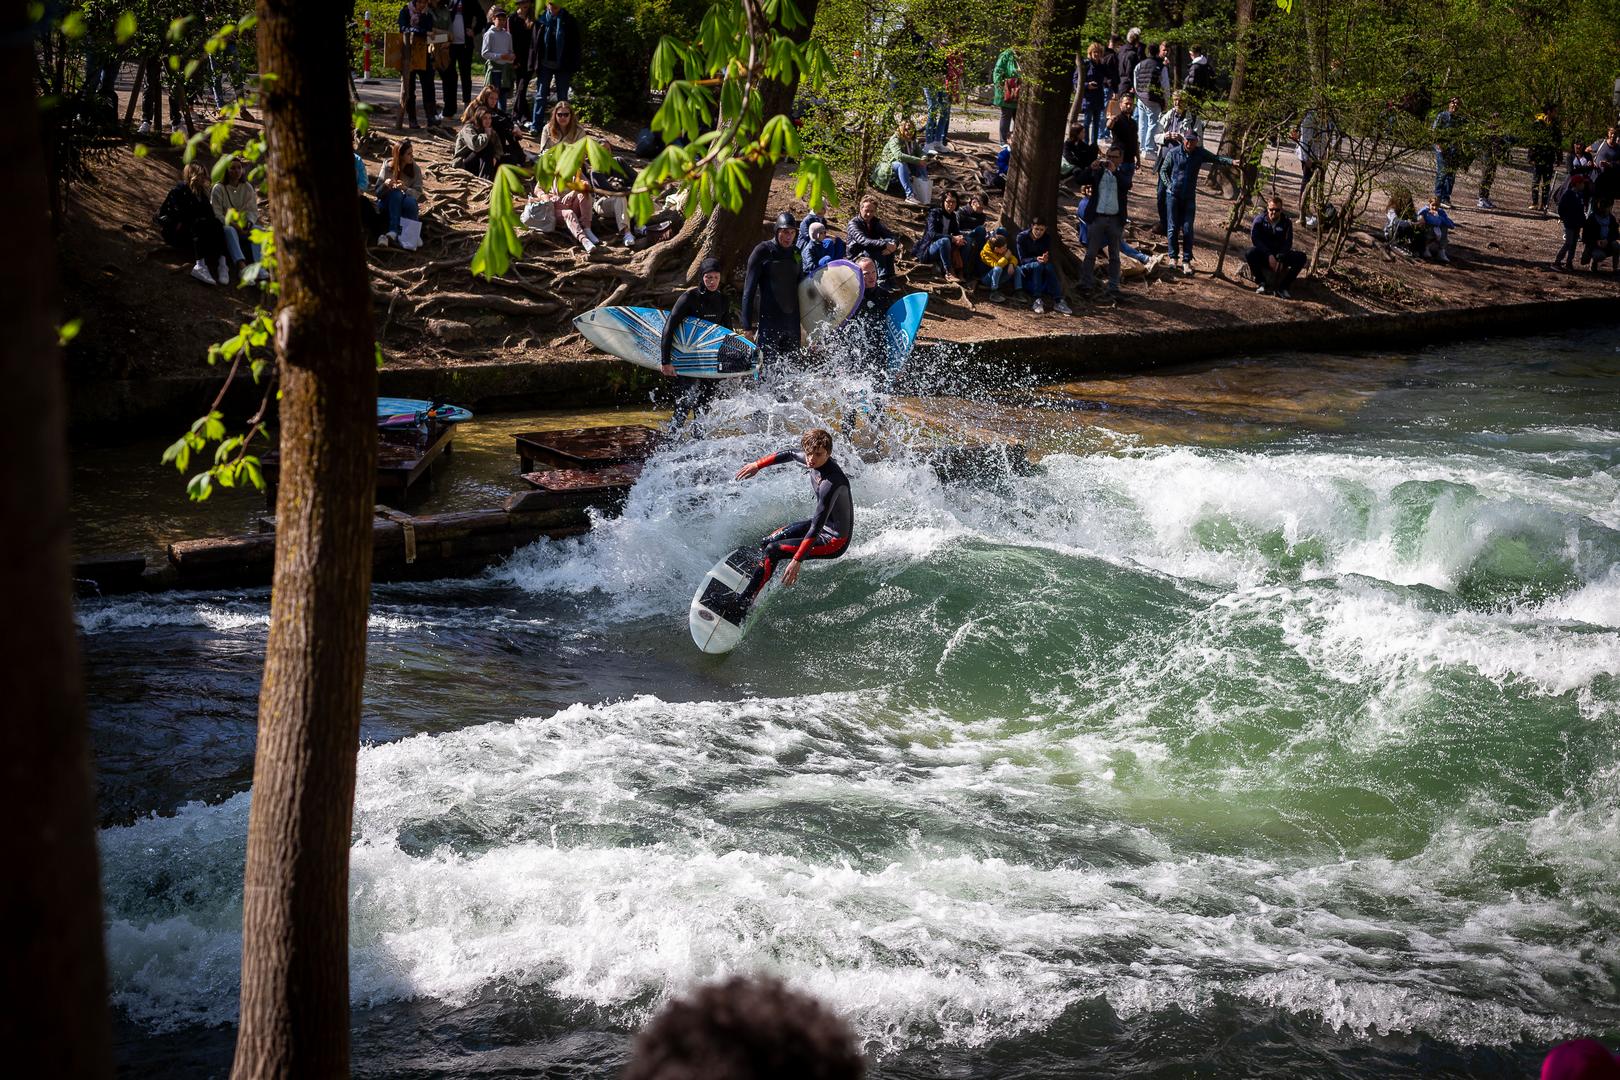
{"x": 235, "y": 193}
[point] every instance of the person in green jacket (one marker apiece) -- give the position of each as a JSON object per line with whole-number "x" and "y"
{"x": 1006, "y": 68}
{"x": 902, "y": 160}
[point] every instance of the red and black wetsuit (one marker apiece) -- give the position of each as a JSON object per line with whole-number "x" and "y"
{"x": 825, "y": 535}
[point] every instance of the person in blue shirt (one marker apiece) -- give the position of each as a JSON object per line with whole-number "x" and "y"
{"x": 1439, "y": 225}
{"x": 1180, "y": 170}
{"x": 820, "y": 247}
{"x": 1272, "y": 260}
{"x": 1033, "y": 247}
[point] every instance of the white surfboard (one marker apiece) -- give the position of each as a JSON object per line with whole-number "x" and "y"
{"x": 719, "y": 617}
{"x": 827, "y": 298}
{"x": 701, "y": 350}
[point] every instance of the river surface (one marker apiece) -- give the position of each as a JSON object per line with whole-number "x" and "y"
{"x": 1269, "y": 726}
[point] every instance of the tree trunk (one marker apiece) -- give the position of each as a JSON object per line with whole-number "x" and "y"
{"x": 1045, "y": 66}
{"x": 55, "y": 985}
{"x": 725, "y": 235}
{"x": 1232, "y": 132}
{"x": 295, "y": 922}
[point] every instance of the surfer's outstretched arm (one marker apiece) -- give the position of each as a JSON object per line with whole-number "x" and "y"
{"x": 767, "y": 461}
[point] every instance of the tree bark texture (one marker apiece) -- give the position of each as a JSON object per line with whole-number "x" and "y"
{"x": 729, "y": 236}
{"x": 1045, "y": 68}
{"x": 55, "y": 984}
{"x": 295, "y": 983}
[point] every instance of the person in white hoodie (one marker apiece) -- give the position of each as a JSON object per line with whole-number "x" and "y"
{"x": 497, "y": 53}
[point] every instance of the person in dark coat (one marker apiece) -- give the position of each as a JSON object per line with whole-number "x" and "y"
{"x": 415, "y": 24}
{"x": 770, "y": 300}
{"x": 868, "y": 236}
{"x": 522, "y": 26}
{"x": 186, "y": 220}
{"x": 554, "y": 57}
{"x": 1572, "y": 216}
{"x": 1601, "y": 234}
{"x": 943, "y": 243}
{"x": 1122, "y": 135}
{"x": 1272, "y": 258}
{"x": 707, "y": 301}
{"x": 1103, "y": 216}
{"x": 1544, "y": 144}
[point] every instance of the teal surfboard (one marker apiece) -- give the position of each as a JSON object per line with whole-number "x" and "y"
{"x": 904, "y": 320}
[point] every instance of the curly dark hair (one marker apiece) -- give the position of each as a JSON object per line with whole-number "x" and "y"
{"x": 746, "y": 1029}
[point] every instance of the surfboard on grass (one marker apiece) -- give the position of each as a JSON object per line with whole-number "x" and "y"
{"x": 903, "y": 321}
{"x": 701, "y": 350}
{"x": 398, "y": 411}
{"x": 719, "y": 616}
{"x": 827, "y": 298}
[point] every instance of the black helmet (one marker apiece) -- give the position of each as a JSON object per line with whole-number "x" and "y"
{"x": 785, "y": 220}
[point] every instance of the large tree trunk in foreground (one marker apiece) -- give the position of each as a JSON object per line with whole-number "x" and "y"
{"x": 55, "y": 984}
{"x": 295, "y": 919}
{"x": 1045, "y": 68}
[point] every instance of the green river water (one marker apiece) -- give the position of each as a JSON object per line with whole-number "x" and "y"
{"x": 1269, "y": 726}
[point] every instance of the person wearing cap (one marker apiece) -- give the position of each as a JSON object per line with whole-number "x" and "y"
{"x": 707, "y": 301}
{"x": 770, "y": 300}
{"x": 1181, "y": 195}
{"x": 820, "y": 248}
{"x": 498, "y": 54}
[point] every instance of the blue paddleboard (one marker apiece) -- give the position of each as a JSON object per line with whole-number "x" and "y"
{"x": 393, "y": 411}
{"x": 904, "y": 320}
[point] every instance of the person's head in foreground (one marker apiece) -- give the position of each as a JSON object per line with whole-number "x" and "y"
{"x": 1580, "y": 1059}
{"x": 747, "y": 1028}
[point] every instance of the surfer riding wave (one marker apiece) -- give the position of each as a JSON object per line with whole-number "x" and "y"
{"x": 826, "y": 533}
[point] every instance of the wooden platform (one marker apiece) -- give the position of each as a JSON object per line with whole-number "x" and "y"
{"x": 405, "y": 456}
{"x": 585, "y": 448}
{"x": 603, "y": 489}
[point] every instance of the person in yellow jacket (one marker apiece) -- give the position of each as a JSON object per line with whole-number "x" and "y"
{"x": 1001, "y": 266}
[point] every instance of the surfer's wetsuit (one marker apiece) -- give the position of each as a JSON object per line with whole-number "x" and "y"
{"x": 825, "y": 535}
{"x": 695, "y": 303}
{"x": 771, "y": 296}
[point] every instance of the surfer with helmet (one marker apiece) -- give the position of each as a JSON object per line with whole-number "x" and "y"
{"x": 770, "y": 299}
{"x": 707, "y": 301}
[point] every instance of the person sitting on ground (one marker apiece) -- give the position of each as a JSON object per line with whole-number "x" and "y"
{"x": 974, "y": 219}
{"x": 1438, "y": 224}
{"x": 612, "y": 201}
{"x": 996, "y": 178}
{"x": 1181, "y": 196}
{"x": 749, "y": 1028}
{"x": 1102, "y": 220}
{"x": 1034, "y": 249}
{"x": 186, "y": 220}
{"x": 1078, "y": 152}
{"x": 478, "y": 148}
{"x": 1572, "y": 216}
{"x": 236, "y": 205}
{"x": 1602, "y": 236}
{"x": 867, "y": 235}
{"x": 707, "y": 301}
{"x": 371, "y": 219}
{"x": 902, "y": 161}
{"x": 502, "y": 123}
{"x": 1001, "y": 266}
{"x": 942, "y": 242}
{"x": 572, "y": 195}
{"x": 1403, "y": 232}
{"x": 821, "y": 248}
{"x": 399, "y": 191}
{"x": 1272, "y": 258}
{"x": 770, "y": 298}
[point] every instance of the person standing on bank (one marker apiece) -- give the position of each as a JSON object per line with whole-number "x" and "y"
{"x": 554, "y": 56}
{"x": 1447, "y": 149}
{"x": 415, "y": 24}
{"x": 522, "y": 27}
{"x": 1004, "y": 89}
{"x": 770, "y": 300}
{"x": 1103, "y": 217}
{"x": 1151, "y": 81}
{"x": 707, "y": 301}
{"x": 498, "y": 55}
{"x": 1272, "y": 260}
{"x": 1181, "y": 195}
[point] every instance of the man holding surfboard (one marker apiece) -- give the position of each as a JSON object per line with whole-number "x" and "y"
{"x": 705, "y": 301}
{"x": 770, "y": 300}
{"x": 825, "y": 534}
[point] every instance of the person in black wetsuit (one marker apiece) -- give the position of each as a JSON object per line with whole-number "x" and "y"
{"x": 705, "y": 301}
{"x": 869, "y": 323}
{"x": 770, "y": 299}
{"x": 825, "y": 535}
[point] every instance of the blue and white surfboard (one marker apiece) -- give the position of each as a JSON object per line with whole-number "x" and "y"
{"x": 701, "y": 350}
